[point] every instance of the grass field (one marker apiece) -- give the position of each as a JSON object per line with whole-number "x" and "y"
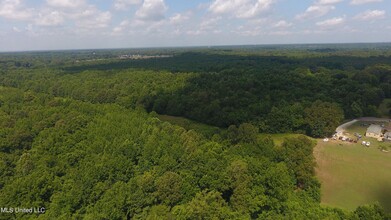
{"x": 279, "y": 138}
{"x": 208, "y": 130}
{"x": 353, "y": 175}
{"x": 188, "y": 124}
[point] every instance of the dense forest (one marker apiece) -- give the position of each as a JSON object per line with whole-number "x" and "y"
{"x": 277, "y": 94}
{"x": 80, "y": 136}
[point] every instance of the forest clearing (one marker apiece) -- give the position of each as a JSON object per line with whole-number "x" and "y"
{"x": 352, "y": 174}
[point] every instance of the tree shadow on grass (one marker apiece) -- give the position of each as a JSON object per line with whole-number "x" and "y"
{"x": 384, "y": 197}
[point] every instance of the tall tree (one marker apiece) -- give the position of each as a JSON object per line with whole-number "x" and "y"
{"x": 323, "y": 118}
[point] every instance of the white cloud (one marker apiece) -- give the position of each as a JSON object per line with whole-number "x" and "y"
{"x": 66, "y": 3}
{"x": 53, "y": 18}
{"x": 316, "y": 11}
{"x": 328, "y": 2}
{"x": 210, "y": 24}
{"x": 152, "y": 10}
{"x": 14, "y": 9}
{"x": 32, "y": 31}
{"x": 240, "y": 8}
{"x": 283, "y": 24}
{"x": 281, "y": 33}
{"x": 16, "y": 29}
{"x": 29, "y": 27}
{"x": 92, "y": 18}
{"x": 56, "y": 13}
{"x": 331, "y": 22}
{"x": 143, "y": 27}
{"x": 179, "y": 18}
{"x": 371, "y": 15}
{"x": 118, "y": 30}
{"x": 124, "y": 4}
{"x": 248, "y": 31}
{"x": 360, "y": 2}
{"x": 224, "y": 6}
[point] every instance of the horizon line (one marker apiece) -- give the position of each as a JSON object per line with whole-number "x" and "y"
{"x": 189, "y": 46}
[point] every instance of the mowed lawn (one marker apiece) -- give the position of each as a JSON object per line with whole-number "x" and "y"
{"x": 353, "y": 175}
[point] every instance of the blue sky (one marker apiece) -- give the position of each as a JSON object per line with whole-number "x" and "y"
{"x": 79, "y": 24}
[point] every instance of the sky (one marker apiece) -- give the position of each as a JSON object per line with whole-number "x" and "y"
{"x": 82, "y": 24}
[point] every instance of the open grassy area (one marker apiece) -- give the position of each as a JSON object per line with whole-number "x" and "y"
{"x": 279, "y": 138}
{"x": 188, "y": 124}
{"x": 359, "y": 127}
{"x": 208, "y": 130}
{"x": 353, "y": 175}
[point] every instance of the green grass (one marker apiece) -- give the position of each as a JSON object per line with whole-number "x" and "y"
{"x": 357, "y": 128}
{"x": 279, "y": 138}
{"x": 353, "y": 175}
{"x": 384, "y": 108}
{"x": 209, "y": 131}
{"x": 188, "y": 124}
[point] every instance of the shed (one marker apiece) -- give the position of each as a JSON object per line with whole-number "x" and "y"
{"x": 374, "y": 131}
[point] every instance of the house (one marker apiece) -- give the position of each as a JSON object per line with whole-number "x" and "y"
{"x": 387, "y": 136}
{"x": 374, "y": 131}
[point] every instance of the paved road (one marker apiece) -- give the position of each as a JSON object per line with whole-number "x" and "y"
{"x": 343, "y": 127}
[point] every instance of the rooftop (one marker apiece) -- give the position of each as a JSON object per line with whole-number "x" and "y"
{"x": 376, "y": 129}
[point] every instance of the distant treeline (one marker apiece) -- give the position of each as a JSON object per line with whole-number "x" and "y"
{"x": 275, "y": 93}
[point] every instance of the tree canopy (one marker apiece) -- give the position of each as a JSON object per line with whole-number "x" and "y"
{"x": 83, "y": 139}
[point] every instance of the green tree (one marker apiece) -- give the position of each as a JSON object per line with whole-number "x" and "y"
{"x": 169, "y": 188}
{"x": 205, "y": 205}
{"x": 323, "y": 118}
{"x": 370, "y": 212}
{"x": 357, "y": 112}
{"x": 298, "y": 156}
{"x": 247, "y": 133}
